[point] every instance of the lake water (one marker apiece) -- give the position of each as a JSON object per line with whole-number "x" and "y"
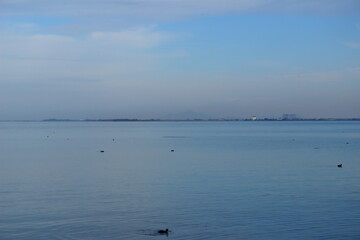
{"x": 224, "y": 180}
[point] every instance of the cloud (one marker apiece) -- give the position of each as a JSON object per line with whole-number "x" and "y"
{"x": 99, "y": 55}
{"x": 348, "y": 74}
{"x": 85, "y": 16}
{"x": 170, "y": 9}
{"x": 20, "y": 28}
{"x": 138, "y": 37}
{"x": 353, "y": 44}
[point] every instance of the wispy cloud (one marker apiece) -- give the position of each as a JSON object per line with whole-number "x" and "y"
{"x": 348, "y": 74}
{"x": 103, "y": 55}
{"x": 175, "y": 8}
{"x": 353, "y": 44}
{"x": 138, "y": 37}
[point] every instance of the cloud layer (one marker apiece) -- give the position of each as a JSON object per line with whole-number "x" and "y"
{"x": 98, "y": 55}
{"x": 170, "y": 9}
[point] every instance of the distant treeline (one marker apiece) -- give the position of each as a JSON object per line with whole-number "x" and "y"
{"x": 200, "y": 120}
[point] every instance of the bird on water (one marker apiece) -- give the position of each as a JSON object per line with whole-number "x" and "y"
{"x": 340, "y": 165}
{"x": 163, "y": 231}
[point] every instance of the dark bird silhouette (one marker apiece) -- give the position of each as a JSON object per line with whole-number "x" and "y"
{"x": 340, "y": 165}
{"x": 163, "y": 231}
{"x": 172, "y": 150}
{"x": 102, "y": 151}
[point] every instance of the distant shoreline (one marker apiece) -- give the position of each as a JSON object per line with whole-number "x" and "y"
{"x": 190, "y": 120}
{"x": 206, "y": 120}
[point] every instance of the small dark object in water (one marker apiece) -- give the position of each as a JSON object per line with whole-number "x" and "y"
{"x": 340, "y": 165}
{"x": 172, "y": 150}
{"x": 102, "y": 151}
{"x": 316, "y": 148}
{"x": 163, "y": 231}
{"x": 347, "y": 142}
{"x": 113, "y": 139}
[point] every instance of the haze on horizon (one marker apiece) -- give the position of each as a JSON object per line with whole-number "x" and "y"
{"x": 149, "y": 58}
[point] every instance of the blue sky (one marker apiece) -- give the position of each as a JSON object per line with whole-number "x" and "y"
{"x": 147, "y": 59}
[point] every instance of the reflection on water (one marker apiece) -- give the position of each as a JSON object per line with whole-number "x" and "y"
{"x": 225, "y": 180}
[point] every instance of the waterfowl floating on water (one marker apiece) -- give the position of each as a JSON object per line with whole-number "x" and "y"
{"x": 163, "y": 231}
{"x": 340, "y": 165}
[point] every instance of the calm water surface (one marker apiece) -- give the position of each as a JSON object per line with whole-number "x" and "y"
{"x": 224, "y": 180}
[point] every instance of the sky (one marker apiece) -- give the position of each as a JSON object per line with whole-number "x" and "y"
{"x": 78, "y": 59}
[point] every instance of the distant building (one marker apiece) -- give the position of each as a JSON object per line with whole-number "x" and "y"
{"x": 253, "y": 118}
{"x": 289, "y": 117}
